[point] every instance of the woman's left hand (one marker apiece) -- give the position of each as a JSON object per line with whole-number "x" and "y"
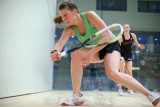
{"x": 142, "y": 46}
{"x": 86, "y": 60}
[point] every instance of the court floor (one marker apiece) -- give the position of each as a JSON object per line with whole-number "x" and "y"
{"x": 93, "y": 99}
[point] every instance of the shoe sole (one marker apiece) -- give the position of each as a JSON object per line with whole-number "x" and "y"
{"x": 156, "y": 102}
{"x": 64, "y": 104}
{"x": 76, "y": 104}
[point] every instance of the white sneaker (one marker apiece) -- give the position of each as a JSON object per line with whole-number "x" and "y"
{"x": 75, "y": 99}
{"x": 154, "y": 97}
{"x": 131, "y": 92}
{"x": 121, "y": 92}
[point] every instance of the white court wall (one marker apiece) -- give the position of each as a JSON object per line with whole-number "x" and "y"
{"x": 26, "y": 39}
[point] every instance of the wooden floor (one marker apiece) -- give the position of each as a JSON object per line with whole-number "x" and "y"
{"x": 93, "y": 99}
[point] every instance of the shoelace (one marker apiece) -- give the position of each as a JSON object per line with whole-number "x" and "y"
{"x": 154, "y": 91}
{"x": 73, "y": 98}
{"x": 121, "y": 91}
{"x": 69, "y": 99}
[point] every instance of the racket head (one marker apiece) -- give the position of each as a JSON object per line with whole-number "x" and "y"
{"x": 102, "y": 37}
{"x": 115, "y": 30}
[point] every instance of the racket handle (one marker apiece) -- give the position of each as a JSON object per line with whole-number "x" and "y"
{"x": 63, "y": 53}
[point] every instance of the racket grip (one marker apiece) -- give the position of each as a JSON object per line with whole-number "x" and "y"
{"x": 63, "y": 53}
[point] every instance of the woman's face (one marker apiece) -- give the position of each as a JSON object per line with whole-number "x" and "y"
{"x": 126, "y": 28}
{"x": 68, "y": 16}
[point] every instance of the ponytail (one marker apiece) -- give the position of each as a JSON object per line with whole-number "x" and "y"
{"x": 58, "y": 20}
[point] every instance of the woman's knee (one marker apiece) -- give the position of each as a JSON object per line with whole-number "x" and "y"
{"x": 79, "y": 53}
{"x": 113, "y": 75}
{"x": 75, "y": 56}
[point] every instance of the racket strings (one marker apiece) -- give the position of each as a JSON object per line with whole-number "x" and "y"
{"x": 114, "y": 31}
{"x": 102, "y": 37}
{"x": 95, "y": 40}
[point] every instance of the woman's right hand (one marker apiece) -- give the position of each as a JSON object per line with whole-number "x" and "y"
{"x": 55, "y": 56}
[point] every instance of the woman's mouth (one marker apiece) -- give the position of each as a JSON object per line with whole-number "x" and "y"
{"x": 67, "y": 22}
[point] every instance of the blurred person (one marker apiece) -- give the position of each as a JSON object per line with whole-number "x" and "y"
{"x": 126, "y": 42}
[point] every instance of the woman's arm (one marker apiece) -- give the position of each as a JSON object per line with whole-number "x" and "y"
{"x": 136, "y": 42}
{"x": 67, "y": 33}
{"x": 96, "y": 21}
{"x": 120, "y": 40}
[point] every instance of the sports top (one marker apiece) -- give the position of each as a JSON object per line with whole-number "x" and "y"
{"x": 89, "y": 29}
{"x": 126, "y": 45}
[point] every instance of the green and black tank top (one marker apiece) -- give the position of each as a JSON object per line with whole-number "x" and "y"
{"x": 89, "y": 29}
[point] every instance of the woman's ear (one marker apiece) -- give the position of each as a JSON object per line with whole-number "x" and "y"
{"x": 75, "y": 11}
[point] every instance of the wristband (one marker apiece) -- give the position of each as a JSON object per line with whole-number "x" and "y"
{"x": 53, "y": 51}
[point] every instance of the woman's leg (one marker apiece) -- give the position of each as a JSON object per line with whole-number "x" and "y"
{"x": 122, "y": 70}
{"x": 129, "y": 67}
{"x": 76, "y": 75}
{"x": 77, "y": 70}
{"x": 129, "y": 71}
{"x": 111, "y": 62}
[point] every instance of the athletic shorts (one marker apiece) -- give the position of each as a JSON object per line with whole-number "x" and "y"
{"x": 127, "y": 57}
{"x": 109, "y": 49}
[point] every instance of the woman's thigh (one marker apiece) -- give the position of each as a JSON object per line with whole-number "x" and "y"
{"x": 83, "y": 51}
{"x": 112, "y": 61}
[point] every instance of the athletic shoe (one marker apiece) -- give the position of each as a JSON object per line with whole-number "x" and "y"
{"x": 121, "y": 92}
{"x": 154, "y": 97}
{"x": 131, "y": 92}
{"x": 74, "y": 100}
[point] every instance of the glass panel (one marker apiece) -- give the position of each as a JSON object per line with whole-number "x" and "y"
{"x": 146, "y": 67}
{"x": 149, "y": 6}
{"x": 142, "y": 6}
{"x": 114, "y": 5}
{"x": 153, "y": 7}
{"x": 159, "y": 7}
